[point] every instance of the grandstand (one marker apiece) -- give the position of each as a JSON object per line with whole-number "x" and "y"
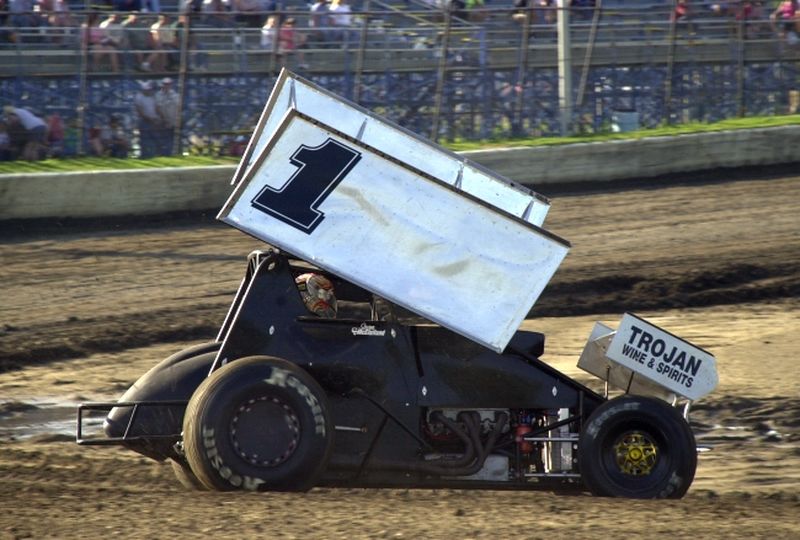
{"x": 473, "y": 74}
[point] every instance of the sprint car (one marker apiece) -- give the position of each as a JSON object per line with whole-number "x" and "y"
{"x": 376, "y": 342}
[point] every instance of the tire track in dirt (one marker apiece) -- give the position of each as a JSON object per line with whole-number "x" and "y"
{"x": 73, "y": 291}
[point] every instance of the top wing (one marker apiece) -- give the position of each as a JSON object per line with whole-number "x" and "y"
{"x": 357, "y": 196}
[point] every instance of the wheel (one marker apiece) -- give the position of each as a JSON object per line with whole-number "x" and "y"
{"x": 258, "y": 423}
{"x": 637, "y": 447}
{"x": 185, "y": 475}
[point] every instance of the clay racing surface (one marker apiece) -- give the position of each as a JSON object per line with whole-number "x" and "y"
{"x": 87, "y": 308}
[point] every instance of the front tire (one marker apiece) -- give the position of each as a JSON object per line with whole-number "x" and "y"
{"x": 637, "y": 447}
{"x": 258, "y": 423}
{"x": 185, "y": 475}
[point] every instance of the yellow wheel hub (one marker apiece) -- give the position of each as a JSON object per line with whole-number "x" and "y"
{"x": 636, "y": 454}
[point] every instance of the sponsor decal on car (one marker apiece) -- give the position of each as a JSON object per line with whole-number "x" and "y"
{"x": 367, "y": 330}
{"x": 663, "y": 358}
{"x": 319, "y": 171}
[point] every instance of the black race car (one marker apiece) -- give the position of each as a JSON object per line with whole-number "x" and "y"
{"x": 400, "y": 232}
{"x": 284, "y": 399}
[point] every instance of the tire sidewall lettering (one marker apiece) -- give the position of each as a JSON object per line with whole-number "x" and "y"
{"x": 210, "y": 427}
{"x": 224, "y": 471}
{"x": 671, "y": 486}
{"x": 593, "y": 429}
{"x": 284, "y": 379}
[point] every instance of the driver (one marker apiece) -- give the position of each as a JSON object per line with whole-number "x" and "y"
{"x": 317, "y": 293}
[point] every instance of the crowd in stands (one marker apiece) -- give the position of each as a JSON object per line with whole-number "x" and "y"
{"x": 135, "y": 36}
{"x": 756, "y": 17}
{"x": 153, "y": 36}
{"x": 155, "y": 107}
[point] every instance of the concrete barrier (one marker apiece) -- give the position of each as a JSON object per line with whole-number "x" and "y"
{"x": 113, "y": 193}
{"x": 158, "y": 191}
{"x": 643, "y": 158}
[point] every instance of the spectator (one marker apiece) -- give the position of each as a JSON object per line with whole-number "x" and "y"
{"x": 458, "y": 8}
{"x": 236, "y": 146}
{"x": 58, "y": 19}
{"x": 784, "y": 21}
{"x": 288, "y": 40}
{"x": 113, "y": 36}
{"x": 148, "y": 121}
{"x": 215, "y": 13}
{"x": 71, "y": 136}
{"x": 95, "y": 137}
{"x": 163, "y": 44}
{"x": 110, "y": 140}
{"x": 55, "y": 135}
{"x": 98, "y": 45}
{"x": 248, "y": 12}
{"x": 127, "y": 5}
{"x": 16, "y": 136}
{"x": 5, "y": 143}
{"x": 341, "y": 19}
{"x": 520, "y": 11}
{"x": 167, "y": 103}
{"x": 198, "y": 57}
{"x": 582, "y": 9}
{"x": 276, "y": 7}
{"x": 151, "y": 6}
{"x": 475, "y": 10}
{"x": 31, "y": 129}
{"x": 269, "y": 34}
{"x": 291, "y": 41}
{"x": 750, "y": 15}
{"x": 681, "y": 16}
{"x": 549, "y": 11}
{"x": 543, "y": 12}
{"x": 681, "y": 12}
{"x": 22, "y": 15}
{"x": 320, "y": 23}
{"x": 190, "y": 6}
{"x": 6, "y": 34}
{"x": 137, "y": 39}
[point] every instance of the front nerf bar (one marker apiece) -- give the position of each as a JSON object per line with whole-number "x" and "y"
{"x": 126, "y": 436}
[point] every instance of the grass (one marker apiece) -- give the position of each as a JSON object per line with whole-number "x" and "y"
{"x": 665, "y": 131}
{"x": 97, "y": 164}
{"x": 107, "y": 164}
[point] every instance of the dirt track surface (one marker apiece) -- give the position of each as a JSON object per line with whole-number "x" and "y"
{"x": 85, "y": 311}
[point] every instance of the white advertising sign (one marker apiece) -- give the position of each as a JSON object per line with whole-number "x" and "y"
{"x": 295, "y": 93}
{"x": 666, "y": 359}
{"x": 393, "y": 228}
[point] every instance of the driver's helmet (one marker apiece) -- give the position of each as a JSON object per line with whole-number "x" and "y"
{"x": 317, "y": 293}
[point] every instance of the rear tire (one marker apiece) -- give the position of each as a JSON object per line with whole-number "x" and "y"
{"x": 258, "y": 423}
{"x": 637, "y": 447}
